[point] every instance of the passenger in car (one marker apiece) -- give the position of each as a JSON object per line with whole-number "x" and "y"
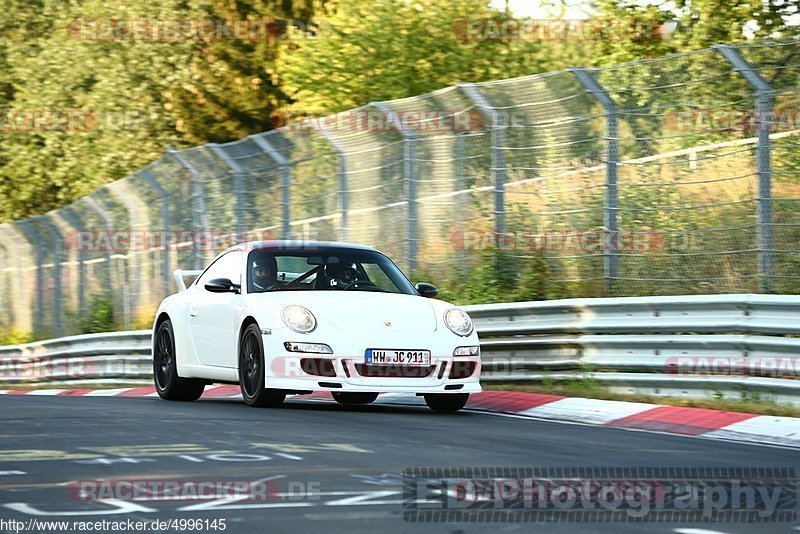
{"x": 340, "y": 275}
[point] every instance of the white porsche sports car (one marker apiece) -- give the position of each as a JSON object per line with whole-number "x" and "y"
{"x": 282, "y": 317}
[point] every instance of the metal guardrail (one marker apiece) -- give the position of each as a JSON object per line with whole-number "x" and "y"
{"x": 715, "y": 346}
{"x": 756, "y": 314}
{"x": 728, "y": 346}
{"x": 90, "y": 359}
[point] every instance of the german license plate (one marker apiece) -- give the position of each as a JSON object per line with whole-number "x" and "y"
{"x": 397, "y": 357}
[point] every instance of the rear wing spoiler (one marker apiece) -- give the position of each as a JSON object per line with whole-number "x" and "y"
{"x": 178, "y": 274}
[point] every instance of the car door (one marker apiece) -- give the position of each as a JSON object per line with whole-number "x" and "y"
{"x": 213, "y": 316}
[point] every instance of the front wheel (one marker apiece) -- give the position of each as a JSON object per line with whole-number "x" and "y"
{"x": 252, "y": 371}
{"x": 446, "y": 402}
{"x": 344, "y": 397}
{"x": 169, "y": 385}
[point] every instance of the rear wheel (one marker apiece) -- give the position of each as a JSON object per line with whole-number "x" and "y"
{"x": 251, "y": 371}
{"x": 446, "y": 402}
{"x": 343, "y": 397}
{"x": 165, "y": 369}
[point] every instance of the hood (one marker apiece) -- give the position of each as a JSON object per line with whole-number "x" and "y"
{"x": 362, "y": 310}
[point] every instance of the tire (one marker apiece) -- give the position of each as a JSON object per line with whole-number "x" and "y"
{"x": 169, "y": 385}
{"x": 344, "y": 397}
{"x": 252, "y": 371}
{"x": 446, "y": 402}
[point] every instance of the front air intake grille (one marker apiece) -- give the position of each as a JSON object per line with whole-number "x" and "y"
{"x": 393, "y": 371}
{"x": 462, "y": 369}
{"x": 317, "y": 366}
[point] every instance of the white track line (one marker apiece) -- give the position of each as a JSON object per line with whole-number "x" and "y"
{"x": 697, "y": 531}
{"x": 106, "y": 392}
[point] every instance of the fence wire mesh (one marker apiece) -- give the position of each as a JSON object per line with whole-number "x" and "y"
{"x": 668, "y": 176}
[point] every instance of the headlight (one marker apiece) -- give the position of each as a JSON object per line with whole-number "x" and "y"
{"x": 317, "y": 348}
{"x": 467, "y": 351}
{"x": 458, "y": 322}
{"x": 299, "y": 319}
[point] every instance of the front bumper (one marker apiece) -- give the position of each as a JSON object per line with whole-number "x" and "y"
{"x": 446, "y": 374}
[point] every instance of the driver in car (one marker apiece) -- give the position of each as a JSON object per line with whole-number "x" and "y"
{"x": 265, "y": 274}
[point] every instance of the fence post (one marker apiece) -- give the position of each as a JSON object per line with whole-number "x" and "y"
{"x": 166, "y": 275}
{"x": 33, "y": 238}
{"x": 57, "y": 259}
{"x": 610, "y": 213}
{"x": 107, "y": 286}
{"x": 199, "y": 219}
{"x": 22, "y": 308}
{"x": 344, "y": 191}
{"x": 110, "y": 284}
{"x": 237, "y": 187}
{"x": 38, "y": 240}
{"x": 5, "y": 296}
{"x": 8, "y": 303}
{"x": 73, "y": 220}
{"x": 133, "y": 260}
{"x": 286, "y": 192}
{"x": 7, "y": 311}
{"x": 410, "y": 177}
{"x": 763, "y": 104}
{"x": 498, "y": 140}
{"x": 461, "y": 201}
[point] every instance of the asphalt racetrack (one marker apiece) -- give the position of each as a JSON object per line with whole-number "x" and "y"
{"x": 330, "y": 468}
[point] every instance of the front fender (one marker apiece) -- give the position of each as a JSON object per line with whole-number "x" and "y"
{"x": 176, "y": 307}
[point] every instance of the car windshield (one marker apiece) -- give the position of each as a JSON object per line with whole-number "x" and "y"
{"x": 329, "y": 270}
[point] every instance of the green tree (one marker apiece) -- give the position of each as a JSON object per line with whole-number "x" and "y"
{"x": 687, "y": 25}
{"x": 230, "y": 89}
{"x": 372, "y": 51}
{"x": 59, "y": 65}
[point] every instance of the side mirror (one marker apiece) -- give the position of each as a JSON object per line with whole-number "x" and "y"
{"x": 222, "y": 285}
{"x": 426, "y": 290}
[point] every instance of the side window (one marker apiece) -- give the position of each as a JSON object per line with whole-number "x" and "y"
{"x": 227, "y": 266}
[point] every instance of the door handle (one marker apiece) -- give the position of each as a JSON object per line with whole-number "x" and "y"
{"x": 192, "y": 312}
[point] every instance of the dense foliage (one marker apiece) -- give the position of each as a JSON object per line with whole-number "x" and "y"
{"x": 134, "y": 97}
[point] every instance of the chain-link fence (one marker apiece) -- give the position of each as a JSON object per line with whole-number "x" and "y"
{"x": 668, "y": 176}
